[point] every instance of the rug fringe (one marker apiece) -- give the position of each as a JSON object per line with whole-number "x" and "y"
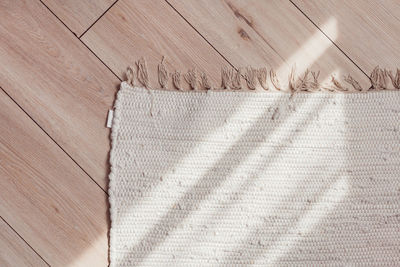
{"x": 176, "y": 80}
{"x": 395, "y": 79}
{"x": 231, "y": 78}
{"x": 191, "y": 78}
{"x": 163, "y": 74}
{"x": 142, "y": 73}
{"x": 130, "y": 76}
{"x": 205, "y": 82}
{"x": 262, "y": 76}
{"x": 226, "y": 78}
{"x": 251, "y": 78}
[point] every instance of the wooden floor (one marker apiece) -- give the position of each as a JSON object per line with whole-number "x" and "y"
{"x": 61, "y": 62}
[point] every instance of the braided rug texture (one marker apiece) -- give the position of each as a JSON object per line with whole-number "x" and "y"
{"x": 262, "y": 179}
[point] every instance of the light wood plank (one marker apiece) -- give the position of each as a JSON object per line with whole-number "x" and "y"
{"x": 46, "y": 197}
{"x": 78, "y": 15}
{"x": 229, "y": 31}
{"x": 368, "y": 31}
{"x": 58, "y": 82}
{"x": 132, "y": 29}
{"x": 271, "y": 33}
{"x": 14, "y": 251}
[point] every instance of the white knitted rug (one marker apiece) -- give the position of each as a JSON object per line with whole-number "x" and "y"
{"x": 264, "y": 179}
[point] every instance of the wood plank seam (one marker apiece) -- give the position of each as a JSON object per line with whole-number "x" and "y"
{"x": 90, "y": 222}
{"x": 205, "y": 39}
{"x": 78, "y": 14}
{"x": 266, "y": 43}
{"x": 41, "y": 126}
{"x": 147, "y": 18}
{"x": 24, "y": 241}
{"x": 37, "y": 124}
{"x": 80, "y": 39}
{"x": 263, "y": 38}
{"x": 370, "y": 28}
{"x": 336, "y": 45}
{"x": 98, "y": 19}
{"x": 216, "y": 50}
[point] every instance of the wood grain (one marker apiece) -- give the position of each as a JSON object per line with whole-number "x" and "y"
{"x": 14, "y": 251}
{"x": 271, "y": 33}
{"x": 48, "y": 199}
{"x": 78, "y": 15}
{"x": 229, "y": 31}
{"x": 368, "y": 31}
{"x": 58, "y": 82}
{"x": 132, "y": 29}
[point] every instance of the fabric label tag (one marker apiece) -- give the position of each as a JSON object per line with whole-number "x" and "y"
{"x": 110, "y": 118}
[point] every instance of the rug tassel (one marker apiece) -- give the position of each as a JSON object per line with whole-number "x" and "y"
{"x": 226, "y": 78}
{"x": 303, "y": 84}
{"x": 293, "y": 87}
{"x": 236, "y": 79}
{"x": 251, "y": 78}
{"x": 205, "y": 82}
{"x": 379, "y": 79}
{"x": 353, "y": 83}
{"x": 130, "y": 75}
{"x": 315, "y": 85}
{"x": 374, "y": 77}
{"x": 163, "y": 74}
{"x": 275, "y": 80}
{"x": 395, "y": 79}
{"x": 176, "y": 80}
{"x": 142, "y": 73}
{"x": 262, "y": 75}
{"x": 191, "y": 78}
{"x": 337, "y": 86}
